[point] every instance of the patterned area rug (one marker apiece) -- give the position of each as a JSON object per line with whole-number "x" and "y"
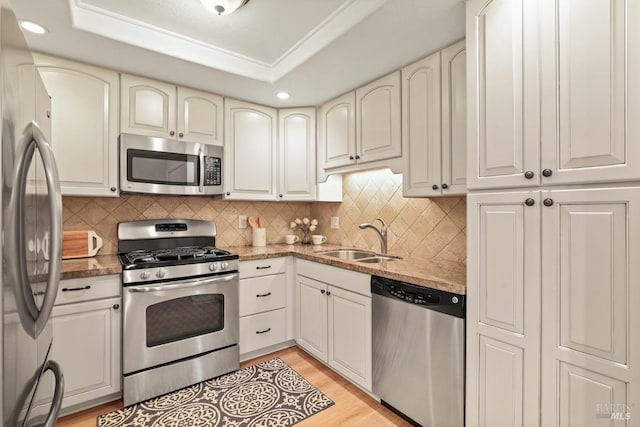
{"x": 267, "y": 394}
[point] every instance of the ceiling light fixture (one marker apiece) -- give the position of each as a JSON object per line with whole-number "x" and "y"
{"x": 32, "y": 27}
{"x": 223, "y": 7}
{"x": 282, "y": 95}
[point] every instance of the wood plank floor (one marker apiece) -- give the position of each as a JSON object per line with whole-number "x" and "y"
{"x": 353, "y": 407}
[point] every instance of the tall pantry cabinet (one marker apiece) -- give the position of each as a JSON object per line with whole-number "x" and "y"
{"x": 553, "y": 330}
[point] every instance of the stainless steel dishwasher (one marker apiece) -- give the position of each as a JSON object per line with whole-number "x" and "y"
{"x": 418, "y": 351}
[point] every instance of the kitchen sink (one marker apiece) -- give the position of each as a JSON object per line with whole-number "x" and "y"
{"x": 348, "y": 254}
{"x": 377, "y": 258}
{"x": 358, "y": 255}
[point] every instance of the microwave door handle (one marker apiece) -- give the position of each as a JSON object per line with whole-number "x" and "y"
{"x": 31, "y": 139}
{"x": 201, "y": 159}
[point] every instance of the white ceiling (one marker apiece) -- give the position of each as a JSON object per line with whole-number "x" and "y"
{"x": 313, "y": 49}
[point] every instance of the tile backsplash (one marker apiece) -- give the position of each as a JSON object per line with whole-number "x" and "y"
{"x": 102, "y": 214}
{"x": 420, "y": 227}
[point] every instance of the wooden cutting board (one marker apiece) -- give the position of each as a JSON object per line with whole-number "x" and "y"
{"x": 80, "y": 244}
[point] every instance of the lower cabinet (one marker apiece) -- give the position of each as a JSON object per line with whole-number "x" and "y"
{"x": 551, "y": 288}
{"x": 87, "y": 342}
{"x": 334, "y": 319}
{"x": 263, "y": 305}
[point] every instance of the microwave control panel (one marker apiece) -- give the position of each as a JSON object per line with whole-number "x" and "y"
{"x": 212, "y": 171}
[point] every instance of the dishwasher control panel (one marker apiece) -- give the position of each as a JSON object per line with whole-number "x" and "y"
{"x": 434, "y": 299}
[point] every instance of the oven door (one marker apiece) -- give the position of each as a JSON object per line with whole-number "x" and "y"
{"x": 165, "y": 322}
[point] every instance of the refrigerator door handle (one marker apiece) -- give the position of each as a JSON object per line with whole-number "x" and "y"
{"x": 33, "y": 138}
{"x": 58, "y": 394}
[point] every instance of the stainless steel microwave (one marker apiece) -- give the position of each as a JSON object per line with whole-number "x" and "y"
{"x": 165, "y": 166}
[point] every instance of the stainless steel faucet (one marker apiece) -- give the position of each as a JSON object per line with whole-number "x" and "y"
{"x": 382, "y": 233}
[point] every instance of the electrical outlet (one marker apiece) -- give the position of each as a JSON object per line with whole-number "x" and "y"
{"x": 242, "y": 221}
{"x": 335, "y": 222}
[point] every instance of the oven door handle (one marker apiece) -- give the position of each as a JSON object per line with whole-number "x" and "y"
{"x": 182, "y": 285}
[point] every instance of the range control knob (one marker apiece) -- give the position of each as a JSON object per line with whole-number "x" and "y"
{"x": 145, "y": 275}
{"x": 213, "y": 267}
{"x": 454, "y": 300}
{"x": 160, "y": 273}
{"x": 224, "y": 265}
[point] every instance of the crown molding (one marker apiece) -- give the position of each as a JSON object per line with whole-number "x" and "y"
{"x": 127, "y": 30}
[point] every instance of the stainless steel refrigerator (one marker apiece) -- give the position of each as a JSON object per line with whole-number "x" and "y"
{"x": 31, "y": 234}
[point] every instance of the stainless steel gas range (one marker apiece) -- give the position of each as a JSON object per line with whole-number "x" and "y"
{"x": 180, "y": 300}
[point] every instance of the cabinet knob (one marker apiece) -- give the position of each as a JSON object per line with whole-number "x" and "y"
{"x": 547, "y": 202}
{"x": 116, "y": 306}
{"x": 328, "y": 293}
{"x": 547, "y": 173}
{"x": 529, "y": 202}
{"x": 113, "y": 189}
{"x": 181, "y": 134}
{"x": 172, "y": 133}
{"x": 529, "y": 174}
{"x": 445, "y": 186}
{"x": 228, "y": 194}
{"x": 48, "y": 114}
{"x": 280, "y": 195}
{"x": 322, "y": 291}
{"x": 357, "y": 157}
{"x": 351, "y": 157}
{"x": 434, "y": 187}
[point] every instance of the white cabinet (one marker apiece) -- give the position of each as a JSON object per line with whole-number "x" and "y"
{"x": 250, "y": 151}
{"x": 84, "y": 128}
{"x": 297, "y": 154}
{"x": 545, "y": 109}
{"x": 362, "y": 127}
{"x": 590, "y": 273}
{"x": 154, "y": 108}
{"x": 378, "y": 134}
{"x": 334, "y": 319}
{"x": 337, "y": 146}
{"x": 434, "y": 124}
{"x": 503, "y": 339}
{"x": 264, "y": 293}
{"x": 502, "y": 96}
{"x": 87, "y": 341}
{"x": 549, "y": 293}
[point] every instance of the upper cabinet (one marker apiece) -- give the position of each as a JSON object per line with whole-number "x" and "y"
{"x": 160, "y": 109}
{"x": 338, "y": 132}
{"x": 270, "y": 154}
{"x": 378, "y": 134}
{"x": 434, "y": 124}
{"x": 361, "y": 127}
{"x": 297, "y": 154}
{"x": 544, "y": 109}
{"x": 250, "y": 151}
{"x": 84, "y": 125}
{"x": 590, "y": 99}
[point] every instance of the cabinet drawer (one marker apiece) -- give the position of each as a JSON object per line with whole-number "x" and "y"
{"x": 259, "y": 294}
{"x": 262, "y": 330}
{"x": 262, "y": 267}
{"x": 87, "y": 289}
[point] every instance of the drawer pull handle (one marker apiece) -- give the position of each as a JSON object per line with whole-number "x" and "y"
{"x": 263, "y": 295}
{"x": 263, "y": 267}
{"x": 264, "y": 332}
{"x": 76, "y": 289}
{"x": 38, "y": 293}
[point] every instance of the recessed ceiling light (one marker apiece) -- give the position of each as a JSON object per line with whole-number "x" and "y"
{"x": 32, "y": 27}
{"x": 282, "y": 95}
{"x": 223, "y": 7}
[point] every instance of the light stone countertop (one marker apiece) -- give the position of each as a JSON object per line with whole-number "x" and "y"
{"x": 438, "y": 274}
